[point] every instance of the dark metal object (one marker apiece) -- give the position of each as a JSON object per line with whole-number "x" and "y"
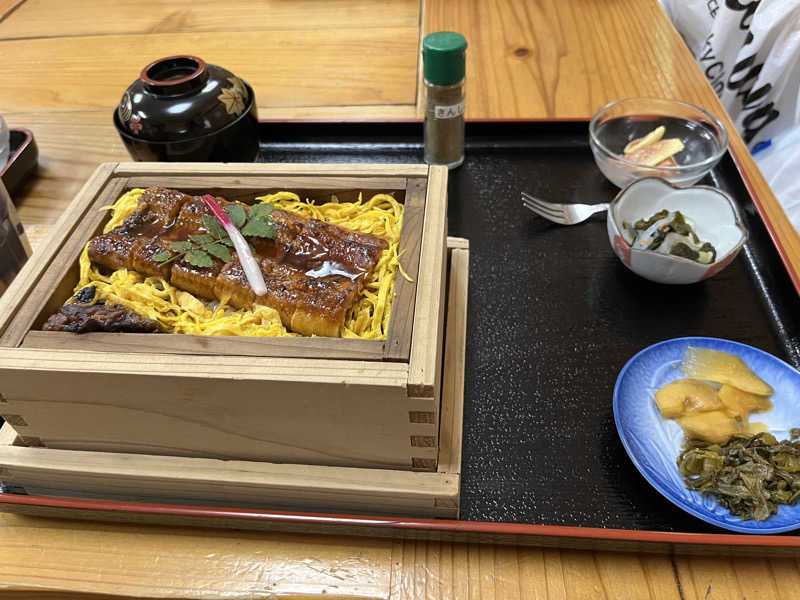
{"x": 554, "y": 315}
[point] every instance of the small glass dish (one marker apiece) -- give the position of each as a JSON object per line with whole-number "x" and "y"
{"x": 704, "y": 137}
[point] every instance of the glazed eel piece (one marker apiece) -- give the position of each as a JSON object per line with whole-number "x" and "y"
{"x": 313, "y": 270}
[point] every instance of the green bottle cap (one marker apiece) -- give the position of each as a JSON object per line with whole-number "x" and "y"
{"x": 443, "y": 57}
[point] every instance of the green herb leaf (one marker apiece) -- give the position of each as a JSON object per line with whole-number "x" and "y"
{"x": 218, "y": 250}
{"x": 180, "y": 246}
{"x": 214, "y": 227}
{"x": 198, "y": 258}
{"x": 227, "y": 241}
{"x": 236, "y": 214}
{"x": 201, "y": 238}
{"x": 259, "y": 228}
{"x": 162, "y": 257}
{"x": 261, "y": 211}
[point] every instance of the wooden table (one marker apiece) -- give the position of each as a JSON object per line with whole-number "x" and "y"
{"x": 65, "y": 66}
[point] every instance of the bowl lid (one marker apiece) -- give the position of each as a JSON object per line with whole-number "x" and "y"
{"x": 182, "y": 97}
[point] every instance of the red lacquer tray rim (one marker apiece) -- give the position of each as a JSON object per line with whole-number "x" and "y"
{"x": 320, "y": 521}
{"x": 317, "y": 521}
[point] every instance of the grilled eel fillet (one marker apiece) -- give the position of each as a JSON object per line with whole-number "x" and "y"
{"x": 313, "y": 270}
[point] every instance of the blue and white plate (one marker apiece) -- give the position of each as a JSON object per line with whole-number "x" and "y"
{"x": 654, "y": 443}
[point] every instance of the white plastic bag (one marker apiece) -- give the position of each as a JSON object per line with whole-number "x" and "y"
{"x": 750, "y": 52}
{"x": 780, "y": 164}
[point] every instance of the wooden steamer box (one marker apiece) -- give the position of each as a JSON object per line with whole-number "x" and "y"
{"x": 171, "y": 480}
{"x": 366, "y": 404}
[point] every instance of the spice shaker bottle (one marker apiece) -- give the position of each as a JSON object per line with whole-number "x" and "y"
{"x": 443, "y": 56}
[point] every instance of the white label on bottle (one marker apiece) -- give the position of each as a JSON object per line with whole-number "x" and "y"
{"x": 448, "y": 112}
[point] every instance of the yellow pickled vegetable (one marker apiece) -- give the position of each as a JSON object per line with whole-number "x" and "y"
{"x": 686, "y": 396}
{"x": 713, "y": 426}
{"x": 739, "y": 404}
{"x": 712, "y": 365}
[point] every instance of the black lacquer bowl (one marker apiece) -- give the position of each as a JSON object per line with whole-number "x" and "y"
{"x": 182, "y": 109}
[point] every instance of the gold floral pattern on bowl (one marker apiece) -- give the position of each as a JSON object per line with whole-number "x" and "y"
{"x": 235, "y": 97}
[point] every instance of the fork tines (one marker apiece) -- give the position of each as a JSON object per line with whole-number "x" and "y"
{"x": 549, "y": 211}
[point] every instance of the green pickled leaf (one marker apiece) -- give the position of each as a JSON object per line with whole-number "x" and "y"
{"x": 214, "y": 227}
{"x": 198, "y": 258}
{"x": 236, "y": 214}
{"x": 259, "y": 228}
{"x": 644, "y": 224}
{"x": 181, "y": 246}
{"x": 201, "y": 238}
{"x": 218, "y": 250}
{"x": 261, "y": 211}
{"x": 162, "y": 257}
{"x": 750, "y": 475}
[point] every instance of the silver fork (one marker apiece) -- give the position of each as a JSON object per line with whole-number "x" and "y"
{"x": 563, "y": 214}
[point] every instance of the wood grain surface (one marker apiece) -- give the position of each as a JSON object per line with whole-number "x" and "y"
{"x": 77, "y": 18}
{"x": 532, "y": 59}
{"x": 133, "y": 561}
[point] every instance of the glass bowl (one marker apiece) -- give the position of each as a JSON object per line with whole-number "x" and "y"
{"x": 704, "y": 137}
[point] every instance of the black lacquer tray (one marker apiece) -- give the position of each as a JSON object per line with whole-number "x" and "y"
{"x": 553, "y": 317}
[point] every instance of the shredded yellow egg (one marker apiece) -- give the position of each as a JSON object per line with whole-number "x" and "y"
{"x": 181, "y": 312}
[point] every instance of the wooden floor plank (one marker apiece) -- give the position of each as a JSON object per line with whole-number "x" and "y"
{"x": 286, "y": 68}
{"x": 177, "y": 562}
{"x": 56, "y": 18}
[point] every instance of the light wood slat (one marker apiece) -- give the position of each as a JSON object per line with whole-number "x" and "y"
{"x": 216, "y": 345}
{"x": 184, "y": 562}
{"x": 452, "y": 416}
{"x": 240, "y": 484}
{"x": 294, "y": 68}
{"x": 55, "y": 18}
{"x": 391, "y": 170}
{"x": 319, "y": 187}
{"x": 257, "y": 368}
{"x": 401, "y": 321}
{"x": 246, "y": 564}
{"x": 377, "y": 112}
{"x": 325, "y": 396}
{"x": 426, "y": 346}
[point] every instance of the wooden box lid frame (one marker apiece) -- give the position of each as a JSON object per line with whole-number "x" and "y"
{"x": 48, "y": 278}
